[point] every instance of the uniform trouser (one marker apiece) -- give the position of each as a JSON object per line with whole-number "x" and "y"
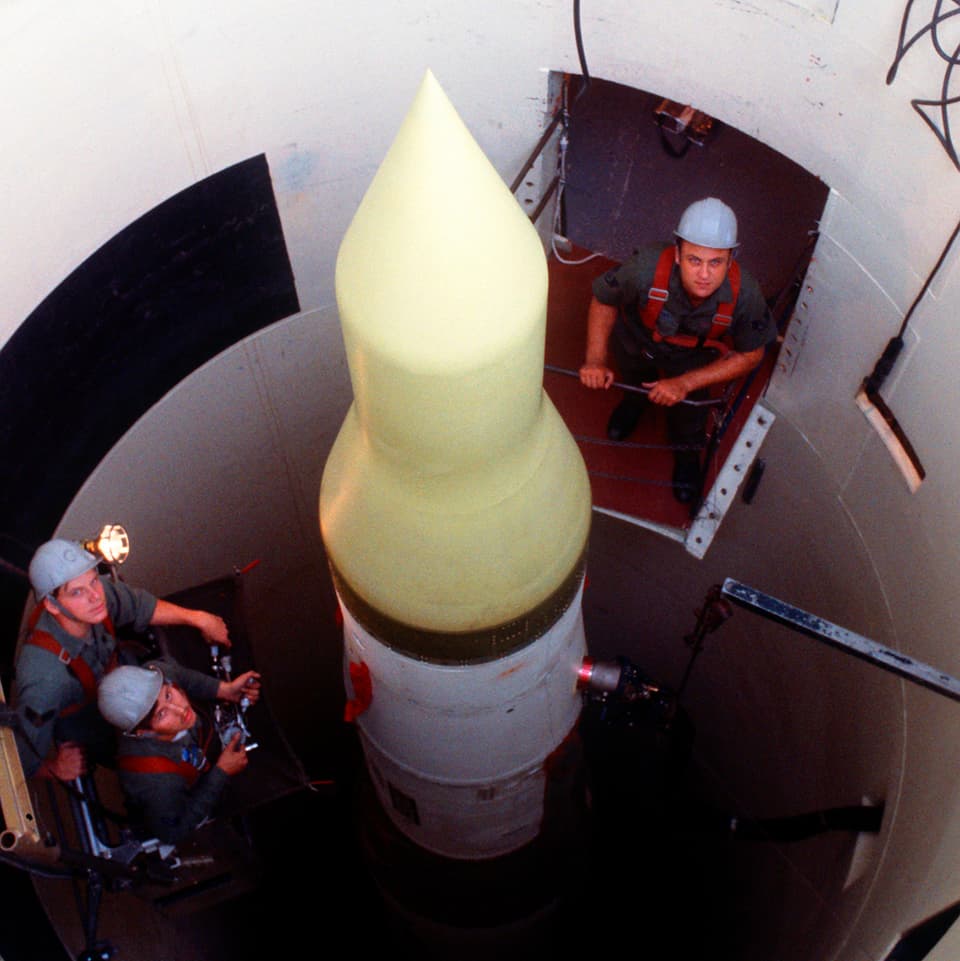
{"x": 686, "y": 423}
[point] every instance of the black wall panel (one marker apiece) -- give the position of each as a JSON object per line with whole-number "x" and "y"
{"x": 190, "y": 278}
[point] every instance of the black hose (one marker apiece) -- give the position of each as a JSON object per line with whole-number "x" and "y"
{"x": 578, "y": 33}
{"x": 891, "y": 352}
{"x": 929, "y": 280}
{"x": 24, "y": 864}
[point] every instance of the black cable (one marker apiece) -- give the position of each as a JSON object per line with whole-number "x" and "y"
{"x": 891, "y": 352}
{"x": 24, "y": 864}
{"x": 578, "y": 33}
{"x": 929, "y": 280}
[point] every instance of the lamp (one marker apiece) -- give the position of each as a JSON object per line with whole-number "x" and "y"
{"x": 112, "y": 544}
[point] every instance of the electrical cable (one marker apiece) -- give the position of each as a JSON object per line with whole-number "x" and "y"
{"x": 558, "y": 207}
{"x": 557, "y": 228}
{"x": 891, "y": 352}
{"x": 929, "y": 280}
{"x": 23, "y": 864}
{"x": 578, "y": 33}
{"x": 561, "y": 184}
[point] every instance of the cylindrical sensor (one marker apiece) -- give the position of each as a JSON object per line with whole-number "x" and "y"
{"x": 455, "y": 505}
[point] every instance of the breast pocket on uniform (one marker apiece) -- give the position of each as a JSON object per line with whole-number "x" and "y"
{"x": 667, "y": 324}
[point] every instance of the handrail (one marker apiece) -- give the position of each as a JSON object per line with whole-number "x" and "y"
{"x": 537, "y": 150}
{"x": 547, "y": 194}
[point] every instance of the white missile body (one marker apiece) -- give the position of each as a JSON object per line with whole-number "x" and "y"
{"x": 455, "y": 506}
{"x": 457, "y": 753}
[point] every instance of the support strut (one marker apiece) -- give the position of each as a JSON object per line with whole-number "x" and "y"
{"x": 855, "y": 644}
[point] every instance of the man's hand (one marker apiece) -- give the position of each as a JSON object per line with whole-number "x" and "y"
{"x": 247, "y": 685}
{"x": 213, "y": 628}
{"x": 233, "y": 758}
{"x": 596, "y": 372}
{"x": 667, "y": 392}
{"x": 67, "y": 763}
{"x": 671, "y": 390}
{"x": 596, "y": 376}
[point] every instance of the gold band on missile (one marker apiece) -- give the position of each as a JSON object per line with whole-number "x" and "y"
{"x": 463, "y": 647}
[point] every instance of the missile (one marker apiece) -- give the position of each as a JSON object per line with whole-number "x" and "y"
{"x": 454, "y": 505}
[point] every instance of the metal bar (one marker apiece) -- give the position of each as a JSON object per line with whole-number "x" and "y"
{"x": 735, "y": 468}
{"x": 19, "y": 833}
{"x": 547, "y": 194}
{"x": 855, "y": 644}
{"x": 712, "y": 402}
{"x": 90, "y": 838}
{"x": 541, "y": 143}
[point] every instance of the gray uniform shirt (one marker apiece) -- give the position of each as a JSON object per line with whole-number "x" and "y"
{"x": 44, "y": 686}
{"x": 628, "y": 286}
{"x": 164, "y": 803}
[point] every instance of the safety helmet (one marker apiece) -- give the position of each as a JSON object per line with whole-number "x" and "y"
{"x": 709, "y": 223}
{"x": 57, "y": 562}
{"x": 127, "y": 694}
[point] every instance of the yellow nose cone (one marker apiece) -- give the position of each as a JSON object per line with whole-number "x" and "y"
{"x": 454, "y": 498}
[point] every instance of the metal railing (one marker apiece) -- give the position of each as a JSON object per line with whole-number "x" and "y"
{"x": 558, "y": 118}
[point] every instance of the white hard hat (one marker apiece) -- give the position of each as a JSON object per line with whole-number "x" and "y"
{"x": 709, "y": 223}
{"x": 127, "y": 694}
{"x": 57, "y": 562}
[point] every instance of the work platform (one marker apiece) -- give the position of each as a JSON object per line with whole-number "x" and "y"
{"x": 632, "y": 479}
{"x": 144, "y": 904}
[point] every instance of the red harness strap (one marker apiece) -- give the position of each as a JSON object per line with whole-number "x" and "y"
{"x": 153, "y": 764}
{"x": 77, "y": 666}
{"x": 657, "y": 297}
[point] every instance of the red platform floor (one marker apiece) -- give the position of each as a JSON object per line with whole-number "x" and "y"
{"x": 631, "y": 477}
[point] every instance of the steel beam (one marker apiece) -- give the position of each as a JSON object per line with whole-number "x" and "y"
{"x": 855, "y": 644}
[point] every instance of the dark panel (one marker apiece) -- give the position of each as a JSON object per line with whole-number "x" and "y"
{"x": 25, "y": 932}
{"x": 628, "y": 181}
{"x": 190, "y": 278}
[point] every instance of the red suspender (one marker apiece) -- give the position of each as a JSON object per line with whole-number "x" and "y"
{"x": 657, "y": 297}
{"x": 154, "y": 764}
{"x": 724, "y": 315}
{"x": 77, "y": 666}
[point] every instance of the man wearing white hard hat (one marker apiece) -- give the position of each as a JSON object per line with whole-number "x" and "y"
{"x": 171, "y": 765}
{"x": 71, "y": 644}
{"x": 677, "y": 319}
